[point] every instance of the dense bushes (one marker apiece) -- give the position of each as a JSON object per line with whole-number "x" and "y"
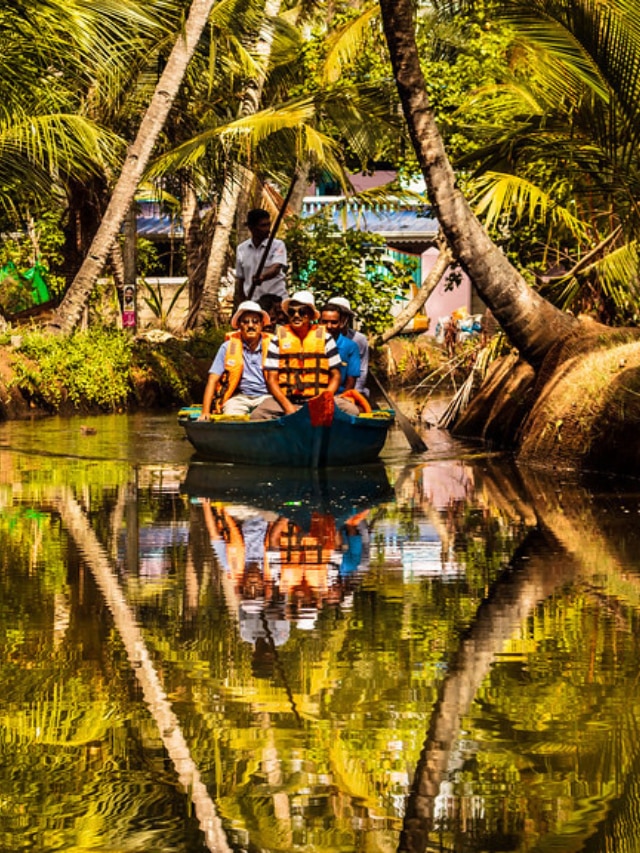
{"x": 105, "y": 370}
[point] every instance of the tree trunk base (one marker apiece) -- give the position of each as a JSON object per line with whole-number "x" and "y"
{"x": 579, "y": 411}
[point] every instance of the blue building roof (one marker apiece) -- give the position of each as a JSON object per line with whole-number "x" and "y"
{"x": 409, "y": 224}
{"x": 415, "y": 224}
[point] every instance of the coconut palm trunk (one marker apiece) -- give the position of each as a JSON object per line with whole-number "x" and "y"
{"x": 235, "y": 179}
{"x": 155, "y": 697}
{"x": 532, "y": 324}
{"x": 69, "y": 313}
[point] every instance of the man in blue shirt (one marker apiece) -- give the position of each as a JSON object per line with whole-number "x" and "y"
{"x": 349, "y": 355}
{"x": 236, "y": 384}
{"x": 357, "y": 337}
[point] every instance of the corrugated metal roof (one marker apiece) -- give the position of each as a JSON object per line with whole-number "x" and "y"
{"x": 160, "y": 226}
{"x": 406, "y": 224}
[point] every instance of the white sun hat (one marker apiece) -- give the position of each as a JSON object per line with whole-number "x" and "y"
{"x": 301, "y": 297}
{"x": 244, "y": 307}
{"x": 341, "y": 302}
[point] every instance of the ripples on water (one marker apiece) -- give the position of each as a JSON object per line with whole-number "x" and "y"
{"x": 426, "y": 654}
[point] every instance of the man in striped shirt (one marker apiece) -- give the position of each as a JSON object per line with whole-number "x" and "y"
{"x": 302, "y": 361}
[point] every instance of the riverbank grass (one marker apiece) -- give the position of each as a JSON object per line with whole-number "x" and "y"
{"x": 100, "y": 370}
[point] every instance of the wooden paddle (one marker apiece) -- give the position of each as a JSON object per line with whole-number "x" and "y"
{"x": 416, "y": 443}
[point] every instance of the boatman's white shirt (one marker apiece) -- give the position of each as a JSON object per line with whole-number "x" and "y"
{"x": 248, "y": 257}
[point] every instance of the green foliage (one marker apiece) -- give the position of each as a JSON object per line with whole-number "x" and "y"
{"x": 206, "y": 342}
{"x": 147, "y": 257}
{"x": 155, "y": 302}
{"x": 106, "y": 370}
{"x": 556, "y": 153}
{"x": 347, "y": 263}
{"x": 167, "y": 372}
{"x": 90, "y": 368}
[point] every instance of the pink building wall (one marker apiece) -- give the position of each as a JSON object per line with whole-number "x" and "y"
{"x": 442, "y": 302}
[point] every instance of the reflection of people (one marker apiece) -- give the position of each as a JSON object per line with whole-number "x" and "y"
{"x": 306, "y": 561}
{"x": 302, "y": 361}
{"x": 355, "y": 543}
{"x": 332, "y": 320}
{"x": 278, "y": 570}
{"x": 236, "y": 384}
{"x": 240, "y": 546}
{"x": 358, "y": 338}
{"x": 249, "y": 254}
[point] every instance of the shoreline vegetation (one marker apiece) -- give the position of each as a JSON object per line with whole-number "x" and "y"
{"x": 110, "y": 370}
{"x": 100, "y": 370}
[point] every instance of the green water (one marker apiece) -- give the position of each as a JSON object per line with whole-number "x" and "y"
{"x": 426, "y": 654}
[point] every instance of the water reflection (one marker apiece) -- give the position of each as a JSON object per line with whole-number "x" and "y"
{"x": 408, "y": 657}
{"x": 290, "y": 548}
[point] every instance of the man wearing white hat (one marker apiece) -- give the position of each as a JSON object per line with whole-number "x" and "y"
{"x": 302, "y": 360}
{"x": 358, "y": 338}
{"x": 236, "y": 384}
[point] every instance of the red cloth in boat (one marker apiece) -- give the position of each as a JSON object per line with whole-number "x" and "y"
{"x": 321, "y": 409}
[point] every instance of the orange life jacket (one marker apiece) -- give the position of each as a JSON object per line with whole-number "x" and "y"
{"x": 359, "y": 399}
{"x": 236, "y": 551}
{"x": 304, "y": 367}
{"x": 306, "y": 556}
{"x": 233, "y": 367}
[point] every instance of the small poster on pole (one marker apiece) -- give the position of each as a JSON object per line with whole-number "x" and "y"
{"x": 129, "y": 307}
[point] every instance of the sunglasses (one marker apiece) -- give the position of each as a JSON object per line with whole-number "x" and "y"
{"x": 302, "y": 312}
{"x": 250, "y": 321}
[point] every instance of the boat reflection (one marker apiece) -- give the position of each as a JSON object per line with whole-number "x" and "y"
{"x": 288, "y": 543}
{"x": 296, "y": 493}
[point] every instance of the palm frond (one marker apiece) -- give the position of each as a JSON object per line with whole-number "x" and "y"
{"x": 60, "y": 142}
{"x": 615, "y": 275}
{"x": 616, "y": 272}
{"x": 344, "y": 43}
{"x": 500, "y": 195}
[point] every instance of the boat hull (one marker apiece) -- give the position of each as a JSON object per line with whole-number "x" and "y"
{"x": 290, "y": 440}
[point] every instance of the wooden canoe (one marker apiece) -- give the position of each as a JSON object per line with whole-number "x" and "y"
{"x": 291, "y": 440}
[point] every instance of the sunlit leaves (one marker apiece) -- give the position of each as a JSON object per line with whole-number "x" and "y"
{"x": 565, "y": 125}
{"x": 525, "y": 200}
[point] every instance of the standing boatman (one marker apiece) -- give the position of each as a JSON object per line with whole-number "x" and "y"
{"x": 271, "y": 279}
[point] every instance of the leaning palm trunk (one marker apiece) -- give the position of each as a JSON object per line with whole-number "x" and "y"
{"x": 173, "y": 739}
{"x": 234, "y": 182}
{"x": 210, "y": 299}
{"x": 194, "y": 243}
{"x": 531, "y": 323}
{"x": 71, "y": 308}
{"x": 428, "y": 286}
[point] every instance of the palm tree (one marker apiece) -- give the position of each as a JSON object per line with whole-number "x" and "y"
{"x": 560, "y": 145}
{"x": 233, "y": 184}
{"x": 69, "y": 313}
{"x": 53, "y": 55}
{"x": 300, "y": 129}
{"x": 532, "y": 324}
